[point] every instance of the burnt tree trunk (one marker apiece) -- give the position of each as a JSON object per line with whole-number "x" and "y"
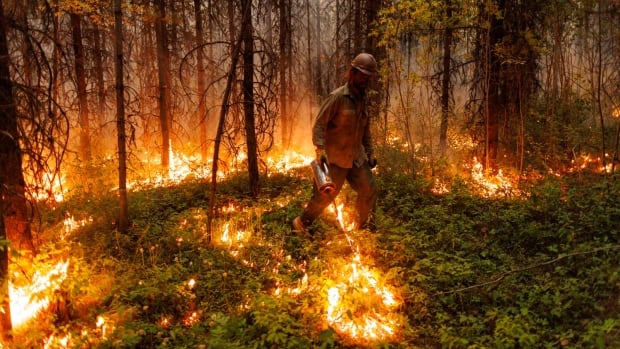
{"x": 98, "y": 59}
{"x": 248, "y": 96}
{"x": 14, "y": 223}
{"x": 200, "y": 79}
{"x": 230, "y": 78}
{"x": 9, "y": 155}
{"x": 285, "y": 118}
{"x": 445, "y": 81}
{"x": 123, "y": 217}
{"x": 80, "y": 78}
{"x": 163, "y": 69}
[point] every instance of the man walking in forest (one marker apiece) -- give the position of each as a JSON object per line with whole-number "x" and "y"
{"x": 341, "y": 136}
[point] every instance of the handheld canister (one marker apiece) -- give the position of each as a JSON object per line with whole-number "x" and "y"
{"x": 322, "y": 179}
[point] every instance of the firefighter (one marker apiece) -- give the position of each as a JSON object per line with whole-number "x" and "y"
{"x": 341, "y": 136}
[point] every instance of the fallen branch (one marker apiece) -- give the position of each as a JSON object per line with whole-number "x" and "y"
{"x": 533, "y": 266}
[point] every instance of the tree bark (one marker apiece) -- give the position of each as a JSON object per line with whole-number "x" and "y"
{"x": 80, "y": 78}
{"x": 234, "y": 58}
{"x": 285, "y": 119}
{"x": 123, "y": 217}
{"x": 358, "y": 36}
{"x": 200, "y": 79}
{"x": 10, "y": 166}
{"x": 248, "y": 97}
{"x": 445, "y": 81}
{"x": 494, "y": 98}
{"x": 14, "y": 224}
{"x": 98, "y": 58}
{"x": 163, "y": 70}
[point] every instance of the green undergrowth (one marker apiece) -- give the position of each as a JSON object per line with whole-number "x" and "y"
{"x": 540, "y": 270}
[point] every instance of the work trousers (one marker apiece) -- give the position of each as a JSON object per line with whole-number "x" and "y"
{"x": 360, "y": 179}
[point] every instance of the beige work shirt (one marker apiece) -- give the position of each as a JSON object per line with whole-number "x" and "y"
{"x": 342, "y": 128}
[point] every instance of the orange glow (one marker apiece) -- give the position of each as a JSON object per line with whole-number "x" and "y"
{"x": 360, "y": 306}
{"x": 54, "y": 187}
{"x": 71, "y": 224}
{"x": 586, "y": 161}
{"x": 293, "y": 291}
{"x": 236, "y": 239}
{"x": 191, "y": 319}
{"x": 164, "y": 322}
{"x": 102, "y": 325}
{"x": 46, "y": 187}
{"x": 283, "y": 163}
{"x": 345, "y": 221}
{"x": 29, "y": 300}
{"x": 492, "y": 186}
{"x": 224, "y": 238}
{"x": 439, "y": 187}
{"x": 57, "y": 342}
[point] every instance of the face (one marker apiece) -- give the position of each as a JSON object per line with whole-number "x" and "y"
{"x": 359, "y": 79}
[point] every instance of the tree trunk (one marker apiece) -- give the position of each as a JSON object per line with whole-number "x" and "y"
{"x": 234, "y": 58}
{"x": 445, "y": 82}
{"x": 14, "y": 224}
{"x": 285, "y": 118}
{"x": 248, "y": 97}
{"x": 200, "y": 79}
{"x": 123, "y": 217}
{"x": 80, "y": 78}
{"x": 493, "y": 99}
{"x": 9, "y": 161}
{"x": 319, "y": 38}
{"x": 5, "y": 304}
{"x": 163, "y": 70}
{"x": 311, "y": 79}
{"x": 56, "y": 57}
{"x": 99, "y": 43}
{"x": 358, "y": 37}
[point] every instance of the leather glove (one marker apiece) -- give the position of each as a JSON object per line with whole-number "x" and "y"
{"x": 321, "y": 156}
{"x": 372, "y": 161}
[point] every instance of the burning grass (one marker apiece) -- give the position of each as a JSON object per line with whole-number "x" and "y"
{"x": 361, "y": 305}
{"x": 255, "y": 283}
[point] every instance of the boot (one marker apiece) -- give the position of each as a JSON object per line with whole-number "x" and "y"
{"x": 299, "y": 226}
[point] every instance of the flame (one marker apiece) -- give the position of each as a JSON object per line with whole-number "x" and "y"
{"x": 102, "y": 325}
{"x": 586, "y": 161}
{"x": 345, "y": 221}
{"x": 164, "y": 322}
{"x": 27, "y": 301}
{"x": 440, "y": 187}
{"x": 360, "y": 306}
{"x": 71, "y": 224}
{"x": 228, "y": 237}
{"x": 50, "y": 186}
{"x": 288, "y": 161}
{"x": 57, "y": 342}
{"x": 492, "y": 186}
{"x": 339, "y": 216}
{"x": 47, "y": 186}
{"x": 191, "y": 319}
{"x": 224, "y": 237}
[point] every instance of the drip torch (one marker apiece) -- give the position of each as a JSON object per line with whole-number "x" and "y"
{"x": 322, "y": 179}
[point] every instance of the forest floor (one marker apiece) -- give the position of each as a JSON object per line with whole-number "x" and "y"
{"x": 449, "y": 265}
